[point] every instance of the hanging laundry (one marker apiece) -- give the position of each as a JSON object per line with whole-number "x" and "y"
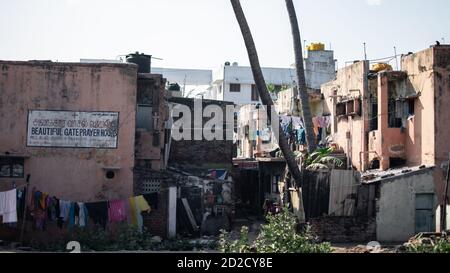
{"x": 116, "y": 211}
{"x": 322, "y": 122}
{"x": 297, "y": 123}
{"x": 301, "y": 136}
{"x": 21, "y": 202}
{"x": 327, "y": 121}
{"x": 64, "y": 209}
{"x": 142, "y": 203}
{"x": 139, "y": 218}
{"x": 43, "y": 201}
{"x": 83, "y": 215}
{"x": 37, "y": 199}
{"x": 30, "y": 201}
{"x": 59, "y": 219}
{"x": 8, "y": 206}
{"x": 98, "y": 212}
{"x": 316, "y": 125}
{"x": 2, "y": 202}
{"x": 319, "y": 135}
{"x": 286, "y": 125}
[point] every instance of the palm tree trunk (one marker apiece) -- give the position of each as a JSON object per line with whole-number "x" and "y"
{"x": 301, "y": 81}
{"x": 262, "y": 88}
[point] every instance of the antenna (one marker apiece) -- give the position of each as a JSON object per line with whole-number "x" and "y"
{"x": 365, "y": 52}
{"x": 396, "y": 59}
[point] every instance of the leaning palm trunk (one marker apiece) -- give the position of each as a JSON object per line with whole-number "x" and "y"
{"x": 301, "y": 81}
{"x": 262, "y": 89}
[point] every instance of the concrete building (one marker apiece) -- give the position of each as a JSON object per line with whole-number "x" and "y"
{"x": 235, "y": 83}
{"x": 320, "y": 67}
{"x": 85, "y": 132}
{"x": 44, "y": 109}
{"x": 390, "y": 119}
{"x": 405, "y": 203}
{"x": 193, "y": 82}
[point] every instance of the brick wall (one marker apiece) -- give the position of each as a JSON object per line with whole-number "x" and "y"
{"x": 202, "y": 154}
{"x": 344, "y": 229}
{"x": 156, "y": 220}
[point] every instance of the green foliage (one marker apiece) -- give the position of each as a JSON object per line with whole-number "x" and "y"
{"x": 272, "y": 89}
{"x": 237, "y": 246}
{"x": 279, "y": 235}
{"x": 427, "y": 245}
{"x": 122, "y": 237}
{"x": 321, "y": 159}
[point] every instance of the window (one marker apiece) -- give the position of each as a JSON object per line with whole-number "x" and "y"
{"x": 341, "y": 109}
{"x": 235, "y": 87}
{"x": 374, "y": 116}
{"x": 11, "y": 167}
{"x": 255, "y": 94}
{"x": 274, "y": 185}
{"x": 394, "y": 107}
{"x": 411, "y": 106}
{"x": 144, "y": 117}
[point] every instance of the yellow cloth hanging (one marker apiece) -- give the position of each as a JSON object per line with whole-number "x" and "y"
{"x": 43, "y": 201}
{"x": 142, "y": 203}
{"x": 133, "y": 211}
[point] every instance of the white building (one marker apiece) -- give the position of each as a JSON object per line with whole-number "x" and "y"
{"x": 193, "y": 82}
{"x": 235, "y": 83}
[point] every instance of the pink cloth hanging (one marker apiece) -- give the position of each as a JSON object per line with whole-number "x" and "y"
{"x": 117, "y": 211}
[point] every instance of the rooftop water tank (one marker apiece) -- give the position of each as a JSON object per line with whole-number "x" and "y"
{"x": 316, "y": 47}
{"x": 381, "y": 66}
{"x": 143, "y": 61}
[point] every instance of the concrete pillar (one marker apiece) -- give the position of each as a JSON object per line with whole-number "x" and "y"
{"x": 172, "y": 212}
{"x": 382, "y": 120}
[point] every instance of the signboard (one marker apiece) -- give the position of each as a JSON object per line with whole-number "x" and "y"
{"x": 69, "y": 129}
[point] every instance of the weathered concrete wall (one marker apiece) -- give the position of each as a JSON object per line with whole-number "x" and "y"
{"x": 351, "y": 82}
{"x": 320, "y": 67}
{"x": 442, "y": 114}
{"x": 427, "y": 141}
{"x": 69, "y": 173}
{"x": 150, "y": 144}
{"x": 396, "y": 205}
{"x": 420, "y": 141}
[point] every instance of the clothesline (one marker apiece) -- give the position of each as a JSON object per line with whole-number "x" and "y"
{"x": 45, "y": 208}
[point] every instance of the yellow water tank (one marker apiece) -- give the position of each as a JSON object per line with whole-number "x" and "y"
{"x": 316, "y": 47}
{"x": 381, "y": 66}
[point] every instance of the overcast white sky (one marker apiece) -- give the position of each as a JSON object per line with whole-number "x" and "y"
{"x": 205, "y": 34}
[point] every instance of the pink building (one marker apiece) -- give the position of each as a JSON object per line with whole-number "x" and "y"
{"x": 388, "y": 119}
{"x": 70, "y": 164}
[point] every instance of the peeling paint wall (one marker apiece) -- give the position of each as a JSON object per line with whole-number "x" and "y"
{"x": 351, "y": 82}
{"x": 69, "y": 173}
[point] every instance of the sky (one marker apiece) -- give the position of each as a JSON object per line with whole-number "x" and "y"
{"x": 203, "y": 34}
